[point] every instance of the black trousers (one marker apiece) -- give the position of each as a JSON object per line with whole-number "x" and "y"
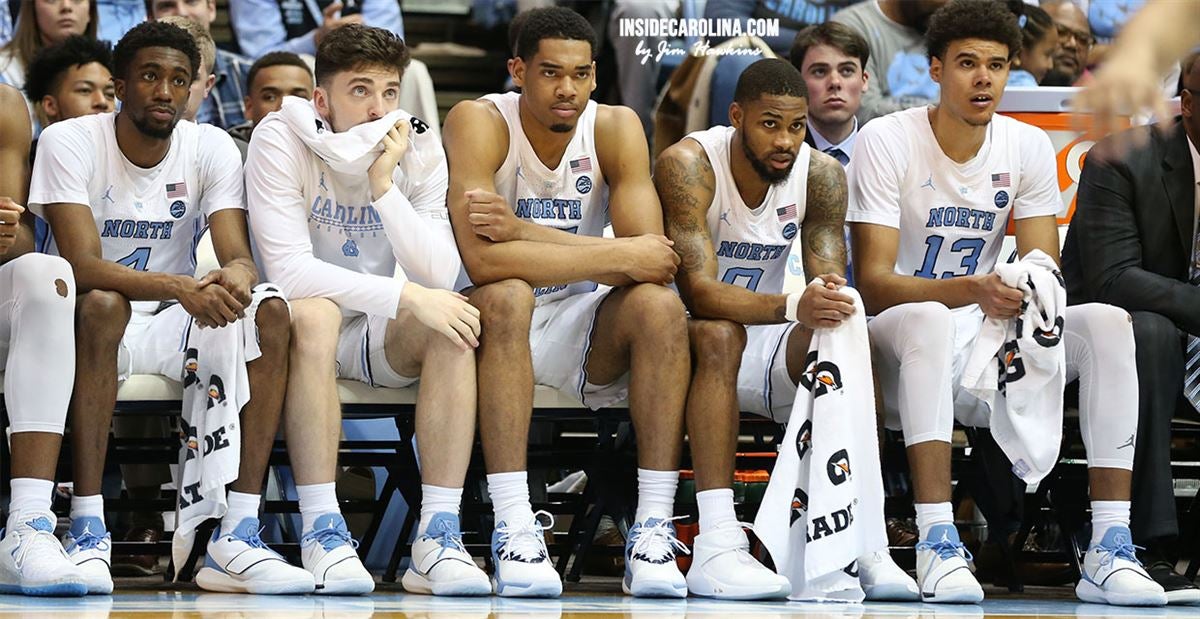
{"x": 1160, "y": 360}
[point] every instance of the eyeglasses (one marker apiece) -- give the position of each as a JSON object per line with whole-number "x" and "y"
{"x": 1083, "y": 38}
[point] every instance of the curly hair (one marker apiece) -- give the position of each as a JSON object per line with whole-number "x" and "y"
{"x": 989, "y": 20}
{"x": 355, "y": 46}
{"x": 45, "y": 74}
{"x": 551, "y": 23}
{"x": 154, "y": 34}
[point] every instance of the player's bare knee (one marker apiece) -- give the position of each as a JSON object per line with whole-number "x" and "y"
{"x": 717, "y": 343}
{"x": 274, "y": 323}
{"x": 658, "y": 310}
{"x": 101, "y": 316}
{"x": 506, "y": 302}
{"x": 315, "y": 325}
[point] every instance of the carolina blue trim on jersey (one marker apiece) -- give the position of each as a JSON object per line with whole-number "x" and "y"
{"x": 199, "y": 227}
{"x": 771, "y": 370}
{"x": 42, "y": 236}
{"x": 587, "y": 349}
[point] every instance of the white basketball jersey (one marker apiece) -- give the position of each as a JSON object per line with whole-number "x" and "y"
{"x": 952, "y": 217}
{"x": 571, "y": 197}
{"x": 752, "y": 244}
{"x": 148, "y": 219}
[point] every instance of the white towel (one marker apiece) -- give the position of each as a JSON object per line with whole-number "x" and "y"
{"x": 1018, "y": 368}
{"x": 353, "y": 151}
{"x": 824, "y": 505}
{"x": 215, "y": 388}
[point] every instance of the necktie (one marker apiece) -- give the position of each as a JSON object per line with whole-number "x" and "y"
{"x": 1191, "y": 368}
{"x": 837, "y": 153}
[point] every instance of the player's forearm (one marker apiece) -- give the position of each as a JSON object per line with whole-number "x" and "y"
{"x": 718, "y": 300}
{"x": 305, "y": 277}
{"x": 881, "y": 291}
{"x": 547, "y": 264}
{"x": 423, "y": 247}
{"x": 100, "y": 274}
{"x": 538, "y": 233}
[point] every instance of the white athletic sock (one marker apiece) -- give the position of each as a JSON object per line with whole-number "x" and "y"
{"x": 930, "y": 515}
{"x": 85, "y": 506}
{"x": 1108, "y": 514}
{"x": 435, "y": 500}
{"x": 510, "y": 497}
{"x": 656, "y": 494}
{"x": 716, "y": 509}
{"x": 316, "y": 500}
{"x": 241, "y": 506}
{"x": 30, "y": 495}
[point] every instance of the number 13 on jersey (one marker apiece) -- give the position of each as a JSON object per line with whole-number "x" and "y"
{"x": 968, "y": 248}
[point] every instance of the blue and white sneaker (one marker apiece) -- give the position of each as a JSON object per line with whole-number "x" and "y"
{"x": 239, "y": 562}
{"x": 1112, "y": 574}
{"x": 650, "y": 568}
{"x": 441, "y": 565}
{"x": 32, "y": 562}
{"x": 942, "y": 571}
{"x": 523, "y": 567}
{"x": 90, "y": 547}
{"x": 329, "y": 553}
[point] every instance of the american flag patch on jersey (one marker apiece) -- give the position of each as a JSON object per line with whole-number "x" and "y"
{"x": 581, "y": 165}
{"x": 176, "y": 190}
{"x": 786, "y": 212}
{"x": 1000, "y": 180}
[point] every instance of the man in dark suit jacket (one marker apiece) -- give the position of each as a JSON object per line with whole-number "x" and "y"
{"x": 1132, "y": 244}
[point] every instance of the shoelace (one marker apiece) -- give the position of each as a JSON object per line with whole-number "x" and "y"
{"x": 525, "y": 541}
{"x": 946, "y": 549}
{"x": 87, "y": 540}
{"x": 657, "y": 542}
{"x": 329, "y": 538}
{"x": 448, "y": 538}
{"x": 252, "y": 540}
{"x": 1123, "y": 550}
{"x": 45, "y": 534}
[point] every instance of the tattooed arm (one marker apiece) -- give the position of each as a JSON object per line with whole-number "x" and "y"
{"x": 823, "y": 233}
{"x": 685, "y": 183}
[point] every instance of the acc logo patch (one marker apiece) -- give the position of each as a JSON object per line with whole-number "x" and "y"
{"x": 838, "y": 467}
{"x": 789, "y": 231}
{"x": 583, "y": 184}
{"x": 820, "y": 378}
{"x": 1001, "y": 199}
{"x": 178, "y": 208}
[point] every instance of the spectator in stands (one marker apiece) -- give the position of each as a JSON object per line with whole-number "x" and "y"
{"x": 793, "y": 16}
{"x": 222, "y": 106}
{"x": 43, "y": 23}
{"x": 1133, "y": 243}
{"x": 274, "y": 76}
{"x": 637, "y": 81}
{"x": 1075, "y": 42}
{"x": 831, "y": 58}
{"x": 205, "y": 79}
{"x": 899, "y": 66}
{"x": 118, "y": 16}
{"x": 263, "y": 26}
{"x": 70, "y": 79}
{"x": 1039, "y": 43}
{"x": 6, "y": 24}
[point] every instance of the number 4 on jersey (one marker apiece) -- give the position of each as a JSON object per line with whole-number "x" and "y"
{"x": 139, "y": 260}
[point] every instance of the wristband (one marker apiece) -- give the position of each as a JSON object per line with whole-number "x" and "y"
{"x": 793, "y": 302}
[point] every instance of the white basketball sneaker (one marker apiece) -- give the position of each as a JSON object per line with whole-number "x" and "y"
{"x": 942, "y": 571}
{"x": 440, "y": 565}
{"x": 883, "y": 580}
{"x": 90, "y": 547}
{"x": 523, "y": 567}
{"x": 1112, "y": 574}
{"x": 329, "y": 553}
{"x": 722, "y": 567}
{"x": 32, "y": 562}
{"x": 650, "y": 568}
{"x": 239, "y": 562}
